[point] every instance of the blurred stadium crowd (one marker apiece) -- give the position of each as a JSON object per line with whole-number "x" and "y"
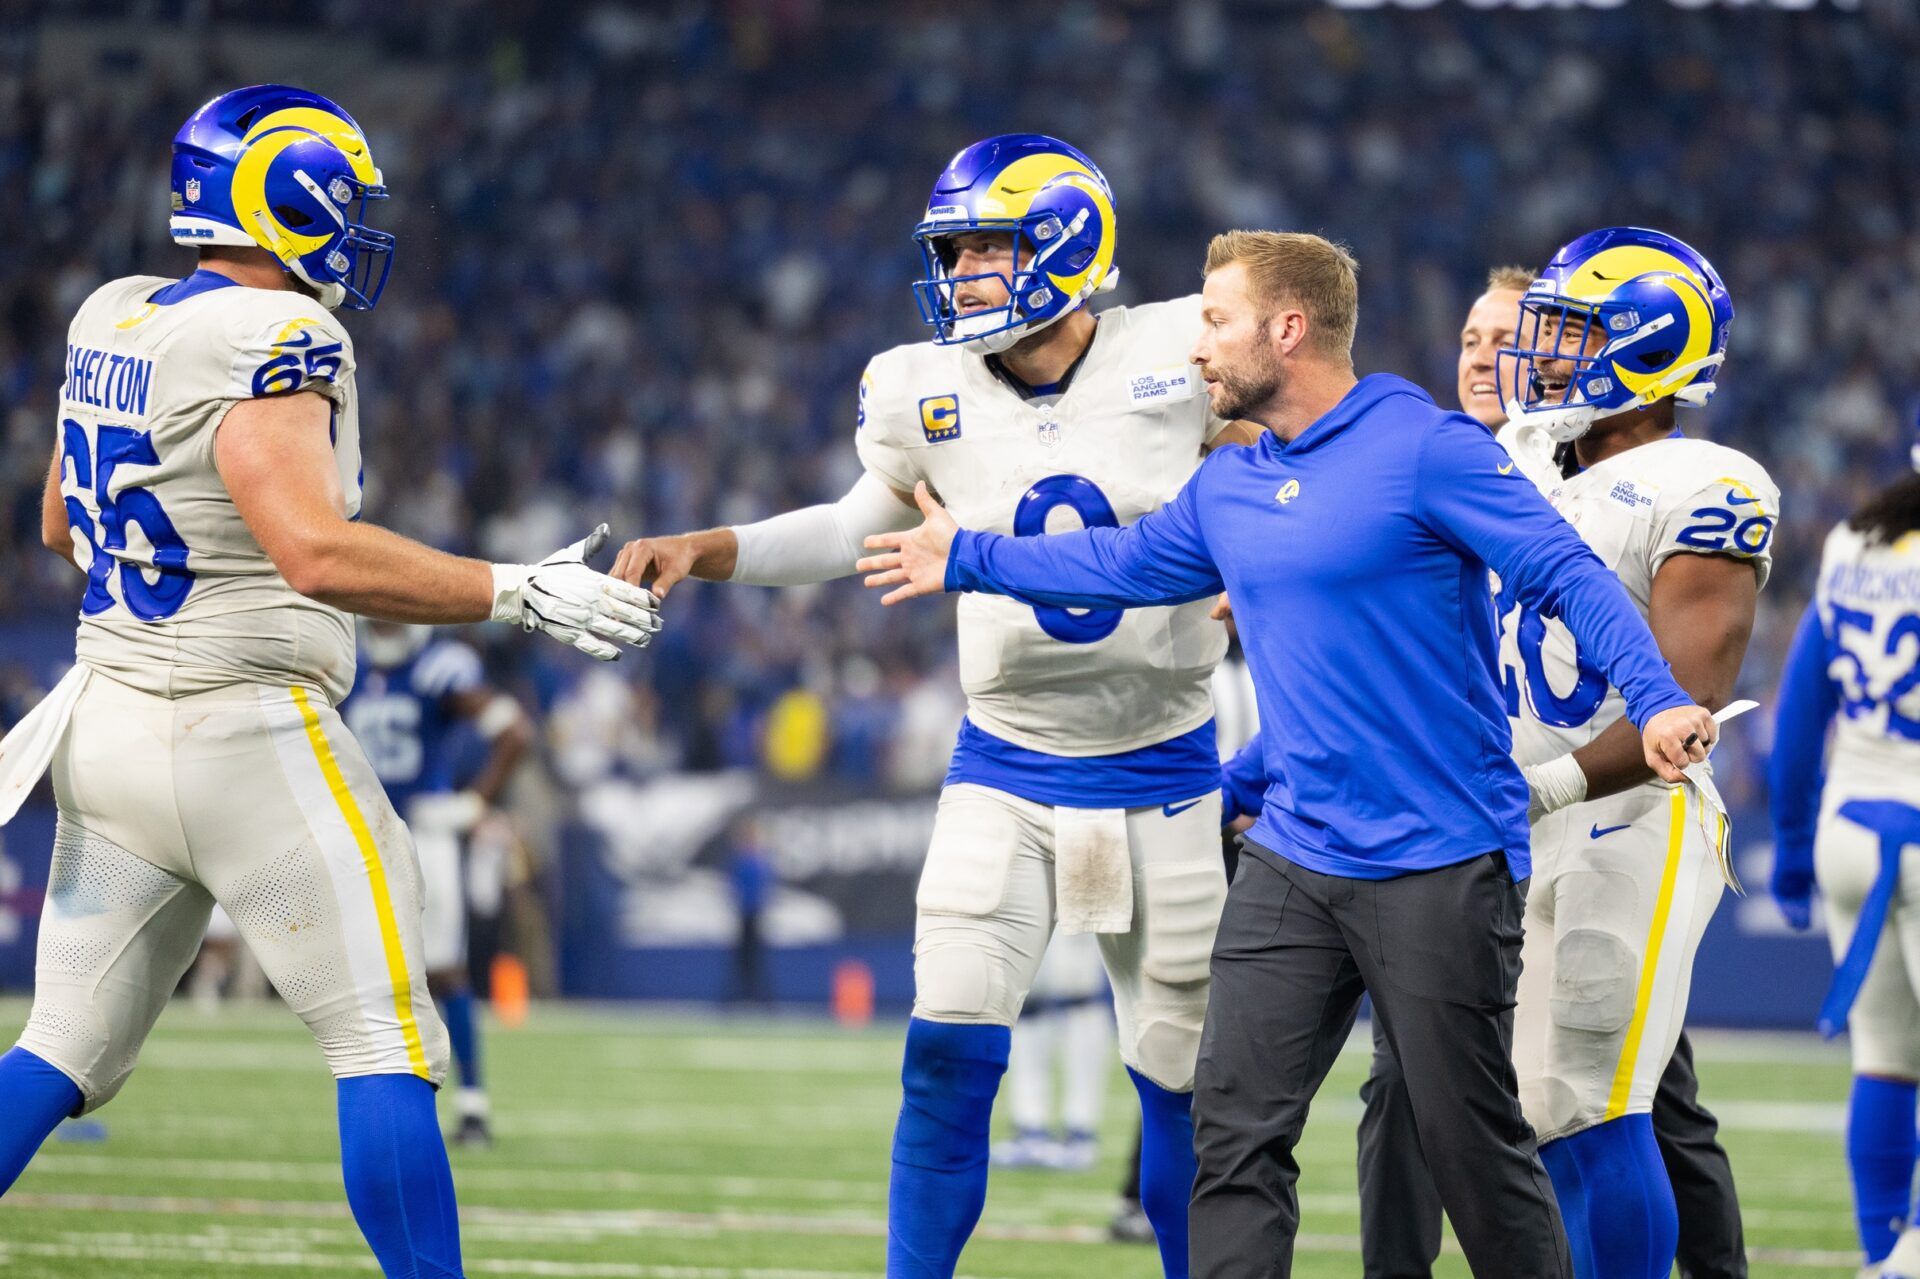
{"x": 643, "y": 257}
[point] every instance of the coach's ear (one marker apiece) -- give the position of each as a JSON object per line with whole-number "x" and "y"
{"x": 1287, "y": 330}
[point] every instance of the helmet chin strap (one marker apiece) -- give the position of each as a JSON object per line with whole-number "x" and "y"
{"x": 987, "y": 343}
{"x": 1562, "y": 425}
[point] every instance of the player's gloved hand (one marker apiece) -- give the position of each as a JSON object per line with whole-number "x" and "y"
{"x": 1793, "y": 888}
{"x": 576, "y": 605}
{"x": 1553, "y": 785}
{"x": 453, "y": 813}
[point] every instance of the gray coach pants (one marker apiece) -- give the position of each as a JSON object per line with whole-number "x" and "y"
{"x": 1439, "y": 952}
{"x": 1400, "y": 1209}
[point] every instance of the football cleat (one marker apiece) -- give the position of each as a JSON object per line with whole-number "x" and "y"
{"x": 1130, "y": 1224}
{"x": 1619, "y": 319}
{"x": 288, "y": 171}
{"x": 1030, "y": 1148}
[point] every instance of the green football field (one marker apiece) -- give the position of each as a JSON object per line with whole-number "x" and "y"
{"x": 653, "y": 1146}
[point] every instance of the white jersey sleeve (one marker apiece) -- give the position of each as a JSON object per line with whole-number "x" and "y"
{"x": 180, "y": 597}
{"x": 1732, "y": 513}
{"x": 279, "y": 355}
{"x": 880, "y": 421}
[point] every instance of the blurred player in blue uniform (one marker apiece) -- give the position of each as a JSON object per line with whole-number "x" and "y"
{"x": 1855, "y": 666}
{"x": 414, "y": 699}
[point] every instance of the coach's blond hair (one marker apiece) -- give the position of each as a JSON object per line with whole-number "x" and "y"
{"x": 1517, "y": 278}
{"x": 1291, "y": 268}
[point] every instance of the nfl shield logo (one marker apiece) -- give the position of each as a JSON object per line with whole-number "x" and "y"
{"x": 1049, "y": 433}
{"x": 193, "y": 190}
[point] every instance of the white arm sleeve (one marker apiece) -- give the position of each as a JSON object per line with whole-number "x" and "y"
{"x": 819, "y": 543}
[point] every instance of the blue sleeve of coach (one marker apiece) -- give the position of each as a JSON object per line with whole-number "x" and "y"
{"x": 1795, "y": 773}
{"x": 1160, "y": 559}
{"x": 1499, "y": 516}
{"x": 1243, "y": 783}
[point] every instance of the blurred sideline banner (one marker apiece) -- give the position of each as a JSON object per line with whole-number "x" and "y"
{"x": 651, "y": 888}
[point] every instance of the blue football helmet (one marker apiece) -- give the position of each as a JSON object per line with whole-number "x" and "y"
{"x": 288, "y": 171}
{"x": 1636, "y": 315}
{"x": 1059, "y": 209}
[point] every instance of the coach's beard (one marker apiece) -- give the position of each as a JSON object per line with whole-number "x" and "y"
{"x": 1241, "y": 393}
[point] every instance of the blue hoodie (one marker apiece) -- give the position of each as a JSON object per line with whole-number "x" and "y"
{"x": 1356, "y": 557}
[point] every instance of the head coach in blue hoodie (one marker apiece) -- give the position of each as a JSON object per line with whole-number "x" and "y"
{"x": 1391, "y": 852}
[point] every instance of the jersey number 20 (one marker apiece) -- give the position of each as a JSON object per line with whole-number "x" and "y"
{"x": 1578, "y": 705}
{"x": 1095, "y": 511}
{"x": 150, "y": 601}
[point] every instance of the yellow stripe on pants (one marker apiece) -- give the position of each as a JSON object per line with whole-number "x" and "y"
{"x": 1650, "y": 964}
{"x": 376, "y": 881}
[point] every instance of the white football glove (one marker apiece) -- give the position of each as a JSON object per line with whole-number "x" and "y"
{"x": 576, "y": 605}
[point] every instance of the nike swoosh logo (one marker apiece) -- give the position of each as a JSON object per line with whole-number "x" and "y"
{"x": 1734, "y": 499}
{"x": 1172, "y": 810}
{"x": 1507, "y": 469}
{"x": 1597, "y": 832}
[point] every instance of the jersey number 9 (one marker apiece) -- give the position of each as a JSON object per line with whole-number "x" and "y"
{"x": 1095, "y": 511}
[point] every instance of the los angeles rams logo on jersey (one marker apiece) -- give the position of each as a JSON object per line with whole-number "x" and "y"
{"x": 1288, "y": 491}
{"x": 940, "y": 418}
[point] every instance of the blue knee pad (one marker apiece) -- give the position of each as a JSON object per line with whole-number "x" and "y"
{"x": 1616, "y": 1200}
{"x": 1167, "y": 1168}
{"x": 34, "y": 1097}
{"x": 399, "y": 1186}
{"x": 939, "y": 1180}
{"x": 1880, "y": 1154}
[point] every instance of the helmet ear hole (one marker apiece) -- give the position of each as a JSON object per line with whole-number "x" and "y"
{"x": 291, "y": 217}
{"x": 1652, "y": 360}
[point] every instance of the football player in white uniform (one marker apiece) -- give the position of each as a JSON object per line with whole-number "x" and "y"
{"x": 1085, "y": 784}
{"x": 1623, "y": 325}
{"x": 206, "y": 479}
{"x": 1856, "y": 657}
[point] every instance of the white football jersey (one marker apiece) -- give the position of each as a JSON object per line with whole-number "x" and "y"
{"x": 1128, "y": 432}
{"x": 1869, "y": 602}
{"x": 1637, "y": 508}
{"x": 180, "y": 598}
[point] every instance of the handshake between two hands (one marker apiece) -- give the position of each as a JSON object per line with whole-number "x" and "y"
{"x": 589, "y": 610}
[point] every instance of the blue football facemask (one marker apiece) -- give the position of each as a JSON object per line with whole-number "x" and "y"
{"x": 288, "y": 171}
{"x": 1057, "y": 209}
{"x": 1040, "y": 241}
{"x": 1576, "y": 360}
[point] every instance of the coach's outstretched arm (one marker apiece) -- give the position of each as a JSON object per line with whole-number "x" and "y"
{"x": 1160, "y": 559}
{"x": 1470, "y": 494}
{"x": 275, "y": 455}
